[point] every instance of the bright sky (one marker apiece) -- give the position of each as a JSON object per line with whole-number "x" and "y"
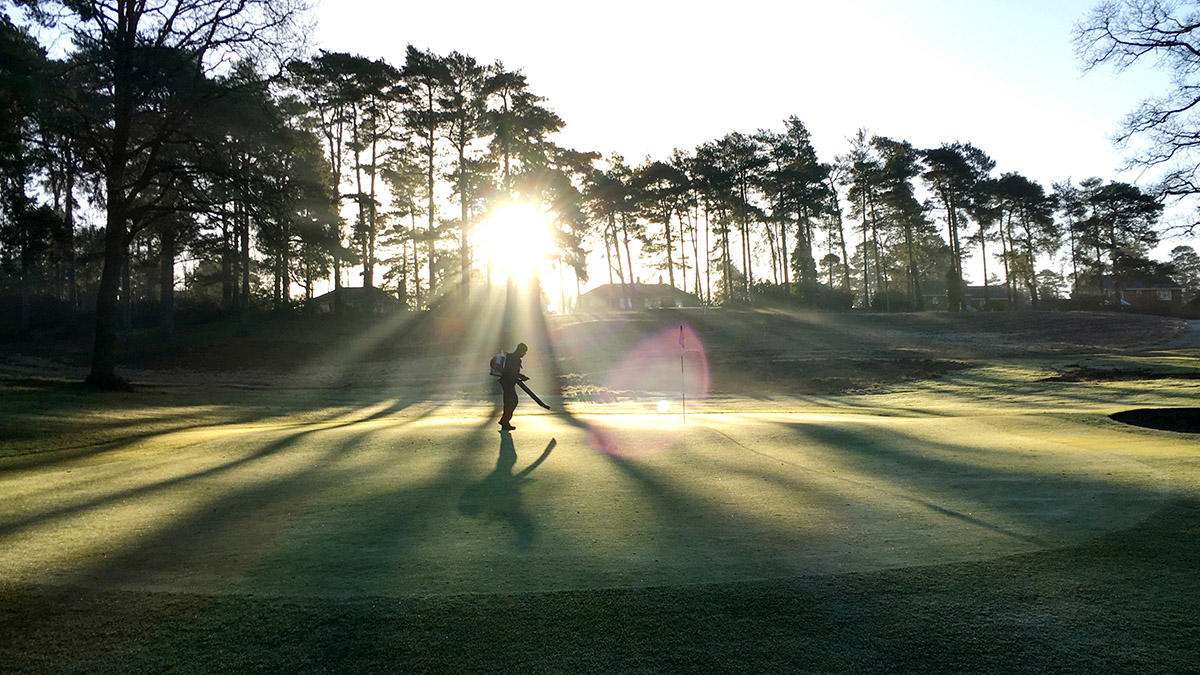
{"x": 645, "y": 77}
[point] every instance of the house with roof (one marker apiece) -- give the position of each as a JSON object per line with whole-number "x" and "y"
{"x": 994, "y": 296}
{"x": 635, "y": 297}
{"x": 1148, "y": 291}
{"x": 357, "y": 298}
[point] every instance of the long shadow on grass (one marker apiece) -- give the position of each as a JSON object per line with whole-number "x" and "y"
{"x": 357, "y": 541}
{"x": 270, "y": 449}
{"x": 886, "y": 459}
{"x": 833, "y": 498}
{"x": 498, "y": 496}
{"x": 297, "y": 528}
{"x": 260, "y": 413}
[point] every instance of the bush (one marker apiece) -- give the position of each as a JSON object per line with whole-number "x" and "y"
{"x": 822, "y": 297}
{"x": 891, "y": 301}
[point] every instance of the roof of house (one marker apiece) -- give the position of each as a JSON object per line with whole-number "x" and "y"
{"x": 1159, "y": 283}
{"x": 994, "y": 291}
{"x": 611, "y": 291}
{"x": 357, "y": 294}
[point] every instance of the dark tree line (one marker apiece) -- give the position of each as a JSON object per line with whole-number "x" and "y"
{"x": 191, "y": 136}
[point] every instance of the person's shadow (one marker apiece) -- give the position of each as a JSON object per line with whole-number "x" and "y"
{"x": 499, "y": 494}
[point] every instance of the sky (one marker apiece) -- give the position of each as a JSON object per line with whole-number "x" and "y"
{"x": 643, "y": 78}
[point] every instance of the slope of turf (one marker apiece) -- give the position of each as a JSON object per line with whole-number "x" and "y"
{"x": 990, "y": 519}
{"x": 1121, "y": 603}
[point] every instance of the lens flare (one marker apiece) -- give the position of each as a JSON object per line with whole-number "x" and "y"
{"x": 660, "y": 375}
{"x": 516, "y": 239}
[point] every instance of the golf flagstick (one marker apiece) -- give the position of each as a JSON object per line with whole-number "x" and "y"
{"x": 682, "y": 377}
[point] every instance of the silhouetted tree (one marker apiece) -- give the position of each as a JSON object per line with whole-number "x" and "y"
{"x": 1121, "y": 227}
{"x": 1165, "y": 129}
{"x": 142, "y": 100}
{"x": 1186, "y": 262}
{"x": 656, "y": 187}
{"x": 742, "y": 157}
{"x": 465, "y": 102}
{"x": 1032, "y": 211}
{"x": 425, "y": 75}
{"x": 901, "y": 164}
{"x": 953, "y": 172}
{"x": 862, "y": 172}
{"x": 1072, "y": 205}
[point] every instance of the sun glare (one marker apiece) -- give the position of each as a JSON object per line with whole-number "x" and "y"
{"x": 516, "y": 240}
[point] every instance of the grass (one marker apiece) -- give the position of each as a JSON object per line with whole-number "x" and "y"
{"x": 989, "y": 520}
{"x": 1120, "y": 603}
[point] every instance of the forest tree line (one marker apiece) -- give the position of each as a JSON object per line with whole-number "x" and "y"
{"x": 196, "y": 135}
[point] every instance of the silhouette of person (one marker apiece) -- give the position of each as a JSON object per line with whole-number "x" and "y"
{"x": 508, "y": 385}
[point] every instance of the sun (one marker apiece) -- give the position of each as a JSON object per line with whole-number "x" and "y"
{"x": 516, "y": 240}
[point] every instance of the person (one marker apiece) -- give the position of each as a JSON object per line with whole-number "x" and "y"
{"x": 508, "y": 384}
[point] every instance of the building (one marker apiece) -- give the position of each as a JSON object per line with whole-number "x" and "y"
{"x": 630, "y": 297}
{"x": 1142, "y": 292}
{"x": 358, "y": 299}
{"x": 933, "y": 296}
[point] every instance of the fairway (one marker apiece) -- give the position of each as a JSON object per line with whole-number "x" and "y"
{"x": 997, "y": 499}
{"x": 401, "y": 505}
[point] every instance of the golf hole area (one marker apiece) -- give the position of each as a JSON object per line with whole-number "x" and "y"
{"x": 1182, "y": 420}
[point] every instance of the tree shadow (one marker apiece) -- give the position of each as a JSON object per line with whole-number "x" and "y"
{"x": 498, "y": 496}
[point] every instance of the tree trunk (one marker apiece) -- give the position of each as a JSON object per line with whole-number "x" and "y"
{"x": 26, "y": 318}
{"x": 746, "y": 239}
{"x": 841, "y": 230}
{"x": 166, "y": 281}
{"x": 866, "y": 258}
{"x": 127, "y": 292}
{"x": 682, "y": 250}
{"x": 696, "y": 249}
{"x": 808, "y": 266}
{"x": 670, "y": 262}
{"x": 369, "y": 271}
{"x": 1033, "y": 295}
{"x": 562, "y": 290}
{"x": 1005, "y": 238}
{"x": 983, "y": 257}
{"x": 358, "y": 193}
{"x": 608, "y": 256}
{"x": 707, "y": 259}
{"x": 226, "y": 261}
{"x": 914, "y": 280}
{"x": 244, "y": 302}
{"x": 628, "y": 257}
{"x": 1074, "y": 259}
{"x": 104, "y": 350}
{"x": 430, "y": 186}
{"x": 416, "y": 266}
{"x": 955, "y": 277}
{"x": 69, "y": 244}
{"x": 771, "y": 248}
{"x": 879, "y": 289}
{"x": 277, "y": 287}
{"x": 464, "y": 257}
{"x": 785, "y": 258}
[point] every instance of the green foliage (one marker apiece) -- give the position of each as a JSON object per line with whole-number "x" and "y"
{"x": 1186, "y": 267}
